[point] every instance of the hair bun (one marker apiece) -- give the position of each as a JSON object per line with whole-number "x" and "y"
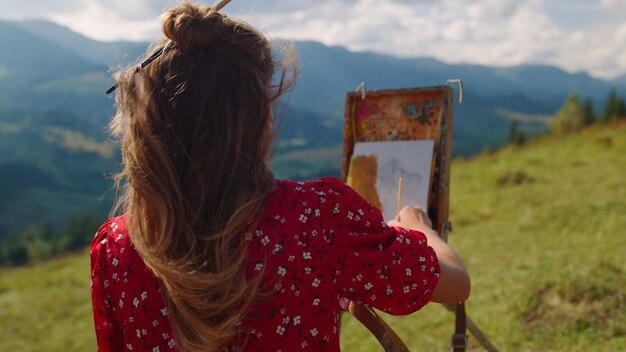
{"x": 192, "y": 26}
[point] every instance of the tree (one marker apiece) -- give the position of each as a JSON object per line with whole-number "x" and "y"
{"x": 570, "y": 118}
{"x": 516, "y": 136}
{"x": 614, "y": 108}
{"x": 589, "y": 113}
{"x": 512, "y": 132}
{"x": 47, "y": 231}
{"x": 21, "y": 248}
{"x": 521, "y": 138}
{"x": 17, "y": 254}
{"x": 78, "y": 233}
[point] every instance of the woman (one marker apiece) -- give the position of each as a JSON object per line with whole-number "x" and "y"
{"x": 213, "y": 253}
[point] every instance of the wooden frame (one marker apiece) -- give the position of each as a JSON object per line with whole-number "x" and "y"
{"x": 392, "y": 115}
{"x": 406, "y": 114}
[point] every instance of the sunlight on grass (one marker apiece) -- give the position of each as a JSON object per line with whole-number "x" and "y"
{"x": 47, "y": 307}
{"x": 73, "y": 140}
{"x": 559, "y": 225}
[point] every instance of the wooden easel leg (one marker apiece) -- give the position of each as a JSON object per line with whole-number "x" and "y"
{"x": 475, "y": 330}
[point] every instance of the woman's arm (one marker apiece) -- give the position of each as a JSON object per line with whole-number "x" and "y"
{"x": 454, "y": 282}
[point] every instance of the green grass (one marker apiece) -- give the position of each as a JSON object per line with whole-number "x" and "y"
{"x": 47, "y": 307}
{"x": 531, "y": 247}
{"x": 541, "y": 229}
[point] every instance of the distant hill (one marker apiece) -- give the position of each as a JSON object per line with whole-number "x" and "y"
{"x": 329, "y": 72}
{"x": 36, "y": 74}
{"x": 53, "y": 165}
{"x": 620, "y": 81}
{"x": 105, "y": 54}
{"x": 338, "y": 70}
{"x": 27, "y": 58}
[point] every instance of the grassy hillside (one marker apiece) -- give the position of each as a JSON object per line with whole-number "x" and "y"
{"x": 542, "y": 232}
{"x": 541, "y": 229}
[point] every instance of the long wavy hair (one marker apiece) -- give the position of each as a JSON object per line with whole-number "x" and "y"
{"x": 195, "y": 131}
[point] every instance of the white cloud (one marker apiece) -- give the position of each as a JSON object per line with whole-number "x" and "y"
{"x": 612, "y": 3}
{"x": 577, "y": 35}
{"x": 490, "y": 32}
{"x": 102, "y": 22}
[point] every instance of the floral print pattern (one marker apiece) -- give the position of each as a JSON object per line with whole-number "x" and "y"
{"x": 318, "y": 242}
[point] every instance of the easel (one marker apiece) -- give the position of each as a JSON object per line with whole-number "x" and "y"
{"x": 409, "y": 114}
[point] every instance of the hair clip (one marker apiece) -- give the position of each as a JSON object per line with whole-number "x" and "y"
{"x": 145, "y": 63}
{"x": 219, "y": 6}
{"x": 159, "y": 52}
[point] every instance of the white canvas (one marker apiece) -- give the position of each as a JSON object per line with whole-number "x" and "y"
{"x": 410, "y": 159}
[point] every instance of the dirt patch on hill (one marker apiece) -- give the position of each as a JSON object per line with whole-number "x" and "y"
{"x": 595, "y": 302}
{"x": 515, "y": 178}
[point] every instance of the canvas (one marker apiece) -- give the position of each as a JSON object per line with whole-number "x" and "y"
{"x": 375, "y": 168}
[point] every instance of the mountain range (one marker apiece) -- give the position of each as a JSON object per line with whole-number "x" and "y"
{"x": 52, "y": 67}
{"x": 54, "y": 113}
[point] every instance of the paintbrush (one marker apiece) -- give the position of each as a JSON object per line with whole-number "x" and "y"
{"x": 399, "y": 197}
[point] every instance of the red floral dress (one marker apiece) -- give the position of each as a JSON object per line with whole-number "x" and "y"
{"x": 318, "y": 240}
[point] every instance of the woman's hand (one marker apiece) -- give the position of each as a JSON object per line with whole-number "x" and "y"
{"x": 413, "y": 218}
{"x": 454, "y": 283}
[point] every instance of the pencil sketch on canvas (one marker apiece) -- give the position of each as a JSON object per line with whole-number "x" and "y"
{"x": 375, "y": 168}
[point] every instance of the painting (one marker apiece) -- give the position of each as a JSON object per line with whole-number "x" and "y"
{"x": 393, "y": 118}
{"x": 375, "y": 169}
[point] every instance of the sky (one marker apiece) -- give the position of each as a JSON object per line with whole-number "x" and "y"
{"x": 576, "y": 35}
